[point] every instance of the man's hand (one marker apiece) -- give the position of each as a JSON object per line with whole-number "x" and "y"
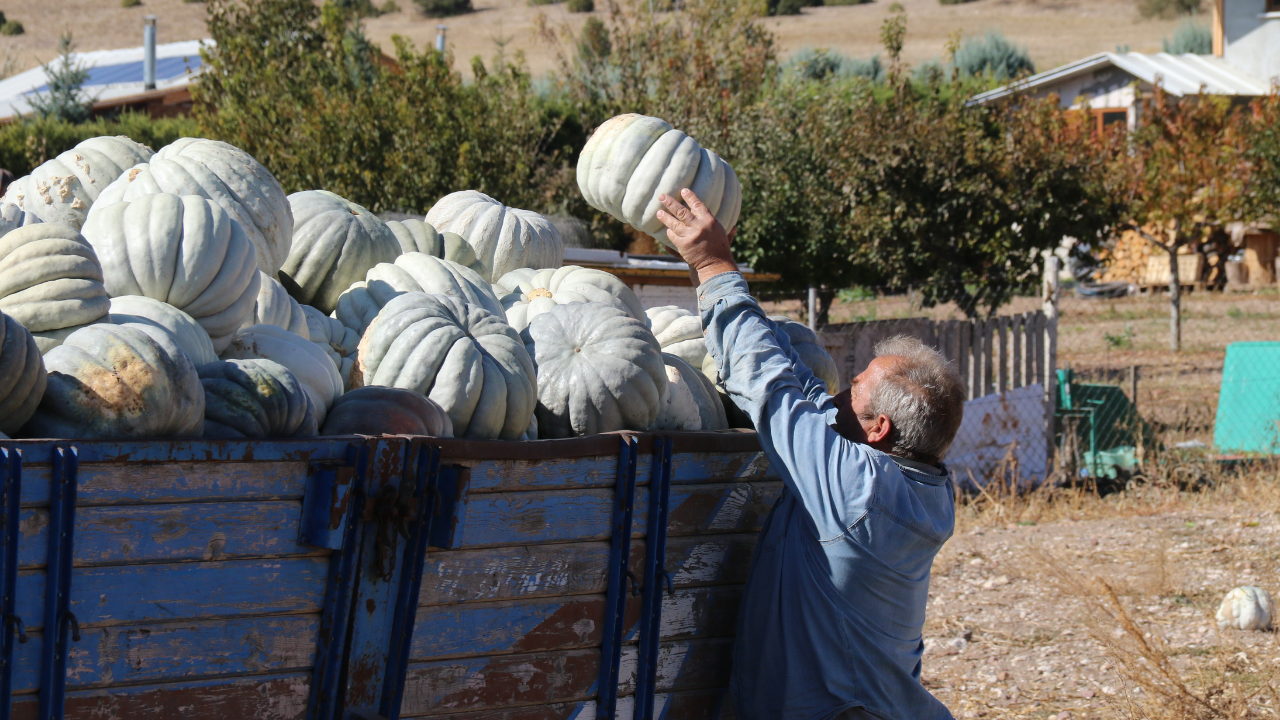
{"x": 699, "y": 238}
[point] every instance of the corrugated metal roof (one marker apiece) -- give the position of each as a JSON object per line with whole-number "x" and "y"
{"x": 113, "y": 74}
{"x": 1181, "y": 75}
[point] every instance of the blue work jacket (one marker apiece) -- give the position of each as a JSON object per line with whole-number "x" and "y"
{"x": 833, "y": 612}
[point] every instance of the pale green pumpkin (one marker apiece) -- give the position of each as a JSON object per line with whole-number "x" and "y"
{"x": 503, "y": 238}
{"x": 310, "y": 364}
{"x": 527, "y": 293}
{"x": 335, "y": 242}
{"x": 62, "y": 190}
{"x": 275, "y": 306}
{"x": 255, "y": 399}
{"x": 51, "y": 281}
{"x": 190, "y": 337}
{"x": 412, "y": 272}
{"x": 22, "y": 375}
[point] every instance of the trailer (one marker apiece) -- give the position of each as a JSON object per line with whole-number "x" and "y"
{"x": 376, "y": 577}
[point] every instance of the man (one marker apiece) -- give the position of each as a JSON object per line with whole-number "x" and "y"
{"x": 831, "y": 620}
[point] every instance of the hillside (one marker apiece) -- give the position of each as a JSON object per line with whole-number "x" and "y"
{"x": 1055, "y": 31}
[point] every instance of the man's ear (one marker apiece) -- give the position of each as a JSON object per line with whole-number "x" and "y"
{"x": 880, "y": 429}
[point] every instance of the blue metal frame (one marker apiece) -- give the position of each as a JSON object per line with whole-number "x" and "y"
{"x": 427, "y": 470}
{"x": 326, "y": 681}
{"x": 11, "y": 463}
{"x": 57, "y": 589}
{"x": 616, "y": 600}
{"x": 654, "y": 574}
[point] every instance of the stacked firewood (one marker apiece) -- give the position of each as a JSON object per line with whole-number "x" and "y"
{"x": 1126, "y": 260}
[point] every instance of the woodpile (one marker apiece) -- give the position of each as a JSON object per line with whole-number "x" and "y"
{"x": 1127, "y": 259}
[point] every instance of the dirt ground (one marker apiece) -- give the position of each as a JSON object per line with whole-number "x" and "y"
{"x": 1054, "y": 31}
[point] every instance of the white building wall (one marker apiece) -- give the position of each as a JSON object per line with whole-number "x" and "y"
{"x": 1252, "y": 38}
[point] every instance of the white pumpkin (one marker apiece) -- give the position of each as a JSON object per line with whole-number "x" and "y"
{"x": 22, "y": 375}
{"x": 412, "y": 272}
{"x": 679, "y": 332}
{"x": 185, "y": 251}
{"x": 462, "y": 356}
{"x": 51, "y": 281}
{"x": 310, "y": 364}
{"x": 63, "y": 189}
{"x": 1245, "y": 608}
{"x": 811, "y": 351}
{"x": 528, "y": 293}
{"x": 275, "y": 306}
{"x": 116, "y": 381}
{"x": 503, "y": 238}
{"x": 632, "y": 159}
{"x": 599, "y": 370}
{"x": 224, "y": 174}
{"x": 417, "y": 236}
{"x": 190, "y": 337}
{"x": 255, "y": 398}
{"x": 335, "y": 242}
{"x": 690, "y": 401}
{"x": 338, "y": 341}
{"x": 13, "y": 217}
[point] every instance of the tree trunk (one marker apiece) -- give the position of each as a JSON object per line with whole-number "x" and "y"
{"x": 1175, "y": 301}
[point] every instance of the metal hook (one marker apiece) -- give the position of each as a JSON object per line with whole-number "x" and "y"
{"x": 635, "y": 583}
{"x": 22, "y": 630}
{"x": 671, "y": 585}
{"x": 70, "y": 617}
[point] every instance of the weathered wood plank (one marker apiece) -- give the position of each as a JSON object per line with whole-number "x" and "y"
{"x": 1016, "y": 332}
{"x": 1002, "y": 356}
{"x": 716, "y": 508}
{"x": 133, "y": 594}
{"x": 554, "y": 474}
{"x": 688, "y": 705}
{"x": 271, "y": 697}
{"x": 172, "y": 482}
{"x": 169, "y": 533}
{"x": 135, "y": 654}
{"x": 699, "y": 467}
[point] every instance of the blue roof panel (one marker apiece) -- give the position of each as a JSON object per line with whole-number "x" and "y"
{"x": 166, "y": 69}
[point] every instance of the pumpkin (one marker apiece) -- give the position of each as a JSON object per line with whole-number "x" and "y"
{"x": 599, "y": 370}
{"x": 632, "y": 159}
{"x": 187, "y": 333}
{"x": 337, "y": 341}
{"x": 254, "y": 398}
{"x": 13, "y": 217}
{"x": 679, "y": 332}
{"x": 51, "y": 281}
{"x": 503, "y": 238}
{"x": 417, "y": 236}
{"x": 335, "y": 242}
{"x": 63, "y": 189}
{"x": 275, "y": 306}
{"x": 811, "y": 351}
{"x": 462, "y": 356}
{"x": 690, "y": 401}
{"x": 413, "y": 272}
{"x": 228, "y": 176}
{"x": 1245, "y": 608}
{"x": 387, "y": 411}
{"x": 183, "y": 250}
{"x": 22, "y": 375}
{"x": 310, "y": 364}
{"x": 117, "y": 381}
{"x": 531, "y": 292}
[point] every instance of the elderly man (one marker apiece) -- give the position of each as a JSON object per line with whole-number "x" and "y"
{"x": 831, "y": 620}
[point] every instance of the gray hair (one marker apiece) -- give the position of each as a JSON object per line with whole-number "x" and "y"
{"x": 923, "y": 397}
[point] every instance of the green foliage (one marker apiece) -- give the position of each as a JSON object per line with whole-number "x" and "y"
{"x": 845, "y": 2}
{"x": 390, "y": 6}
{"x": 1120, "y": 341}
{"x": 26, "y": 144}
{"x": 12, "y": 27}
{"x": 1168, "y": 9}
{"x": 130, "y": 3}
{"x": 788, "y": 7}
{"x": 64, "y": 99}
{"x": 993, "y": 55}
{"x": 593, "y": 44}
{"x": 443, "y": 8}
{"x": 1191, "y": 37}
{"x": 544, "y": 2}
{"x": 581, "y": 6}
{"x": 359, "y": 8}
{"x": 822, "y": 63}
{"x": 953, "y": 2}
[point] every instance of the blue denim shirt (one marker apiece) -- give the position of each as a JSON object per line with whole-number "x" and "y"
{"x": 832, "y": 615}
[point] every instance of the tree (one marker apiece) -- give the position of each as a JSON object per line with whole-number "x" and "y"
{"x": 64, "y": 99}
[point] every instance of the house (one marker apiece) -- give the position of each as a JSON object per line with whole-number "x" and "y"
{"x": 1245, "y": 62}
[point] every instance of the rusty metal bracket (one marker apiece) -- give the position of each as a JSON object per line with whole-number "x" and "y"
{"x": 11, "y": 466}
{"x": 326, "y": 503}
{"x": 616, "y": 599}
{"x": 57, "y": 588}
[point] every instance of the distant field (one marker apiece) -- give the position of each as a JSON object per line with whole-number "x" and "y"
{"x": 1054, "y": 31}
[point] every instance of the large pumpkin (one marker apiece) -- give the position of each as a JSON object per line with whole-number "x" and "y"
{"x": 811, "y": 351}
{"x": 335, "y": 242}
{"x": 254, "y": 398}
{"x": 462, "y": 356}
{"x": 599, "y": 370}
{"x": 632, "y": 159}
{"x": 50, "y": 281}
{"x": 690, "y": 401}
{"x": 527, "y": 293}
{"x": 417, "y": 236}
{"x": 190, "y": 337}
{"x": 503, "y": 238}
{"x": 310, "y": 364}
{"x": 13, "y": 217}
{"x": 116, "y": 381}
{"x": 224, "y": 174}
{"x": 22, "y": 375}
{"x": 63, "y": 189}
{"x": 275, "y": 306}
{"x": 412, "y": 272}
{"x": 337, "y": 341}
{"x": 387, "y": 411}
{"x": 183, "y": 250}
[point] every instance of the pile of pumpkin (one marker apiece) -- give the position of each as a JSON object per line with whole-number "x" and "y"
{"x": 182, "y": 293}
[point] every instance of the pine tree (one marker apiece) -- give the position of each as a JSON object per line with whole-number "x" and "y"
{"x": 65, "y": 100}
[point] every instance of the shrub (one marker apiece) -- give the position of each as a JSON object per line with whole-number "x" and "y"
{"x": 130, "y": 3}
{"x": 820, "y": 64}
{"x": 26, "y": 144}
{"x": 544, "y": 2}
{"x": 593, "y": 42}
{"x": 993, "y": 55}
{"x": 390, "y": 6}
{"x": 12, "y": 27}
{"x": 1191, "y": 37}
{"x": 64, "y": 99}
{"x": 787, "y": 7}
{"x": 953, "y": 2}
{"x": 582, "y": 6}
{"x": 844, "y": 2}
{"x": 1168, "y": 8}
{"x": 444, "y": 8}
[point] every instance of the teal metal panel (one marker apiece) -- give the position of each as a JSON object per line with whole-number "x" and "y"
{"x": 1249, "y": 401}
